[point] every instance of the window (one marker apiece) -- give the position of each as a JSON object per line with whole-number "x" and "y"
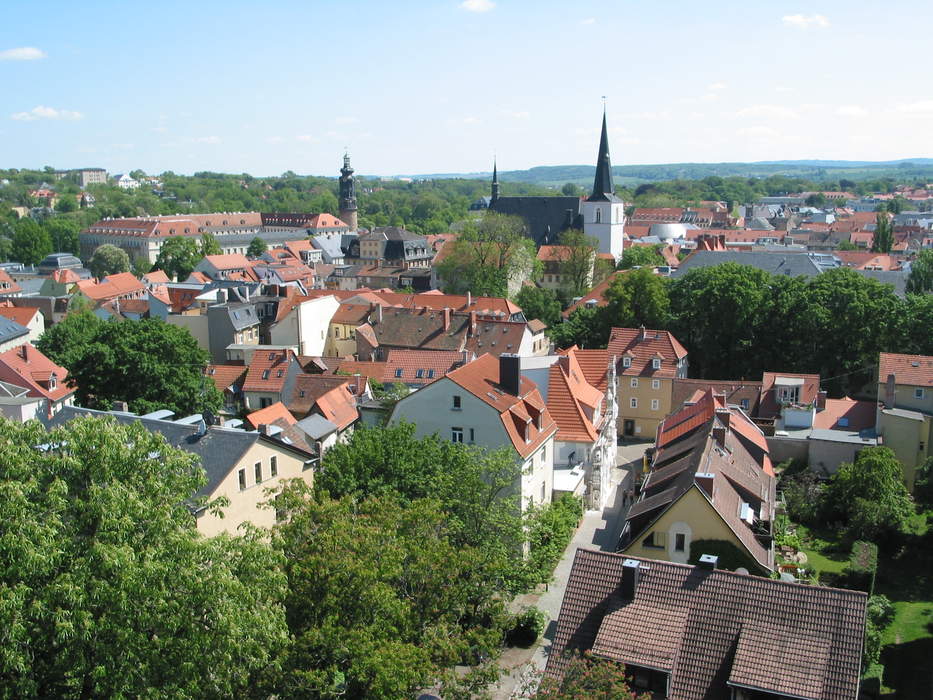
{"x": 52, "y": 383}
{"x": 472, "y": 434}
{"x": 430, "y": 374}
{"x": 599, "y": 215}
{"x": 655, "y": 383}
{"x": 634, "y": 382}
{"x": 626, "y": 361}
{"x": 456, "y": 405}
{"x": 242, "y": 476}
{"x": 680, "y": 542}
{"x": 280, "y": 373}
{"x": 456, "y": 434}
{"x": 279, "y": 510}
{"x": 398, "y": 372}
{"x": 419, "y": 374}
{"x": 265, "y": 374}
{"x": 656, "y": 363}
{"x": 542, "y": 493}
{"x": 634, "y": 402}
{"x": 264, "y": 402}
{"x": 273, "y": 466}
{"x": 744, "y": 404}
{"x": 655, "y": 404}
{"x": 918, "y": 392}
{"x": 258, "y": 469}
{"x": 655, "y": 540}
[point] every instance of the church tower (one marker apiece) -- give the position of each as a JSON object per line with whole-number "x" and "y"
{"x": 495, "y": 185}
{"x": 603, "y": 212}
{"x": 347, "y": 194}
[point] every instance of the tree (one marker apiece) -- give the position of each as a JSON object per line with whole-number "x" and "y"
{"x": 640, "y": 256}
{"x": 64, "y": 234}
{"x": 570, "y": 190}
{"x": 539, "y": 303}
{"x": 588, "y": 676}
{"x": 869, "y": 496}
{"x": 257, "y": 247}
{"x": 577, "y": 259}
{"x": 638, "y": 298}
{"x": 109, "y": 589}
{"x": 108, "y": 260}
{"x": 209, "y": 245}
{"x": 817, "y": 199}
{"x": 883, "y": 239}
{"x": 920, "y": 280}
{"x": 178, "y": 257}
{"x": 150, "y": 364}
{"x": 383, "y": 599}
{"x": 846, "y": 245}
{"x": 879, "y": 615}
{"x": 30, "y": 243}
{"x": 585, "y": 327}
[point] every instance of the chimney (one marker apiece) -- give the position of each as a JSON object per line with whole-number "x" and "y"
{"x": 446, "y": 319}
{"x": 510, "y": 373}
{"x": 719, "y": 435}
{"x": 708, "y": 562}
{"x": 705, "y": 481}
{"x": 644, "y": 333}
{"x": 472, "y": 324}
{"x": 469, "y": 300}
{"x": 264, "y": 429}
{"x": 888, "y": 390}
{"x": 379, "y": 313}
{"x": 121, "y": 406}
{"x": 25, "y": 352}
{"x": 724, "y": 414}
{"x": 631, "y": 572}
{"x": 221, "y": 296}
{"x": 821, "y": 400}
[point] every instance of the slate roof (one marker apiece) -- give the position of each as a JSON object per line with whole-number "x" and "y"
{"x": 896, "y": 278}
{"x": 914, "y": 370}
{"x": 545, "y": 217}
{"x": 11, "y": 330}
{"x": 642, "y": 346}
{"x": 709, "y": 628}
{"x": 779, "y": 263}
{"x": 316, "y": 426}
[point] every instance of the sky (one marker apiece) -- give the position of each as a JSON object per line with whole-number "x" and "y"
{"x": 442, "y": 86}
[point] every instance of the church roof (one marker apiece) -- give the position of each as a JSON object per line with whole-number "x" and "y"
{"x": 603, "y": 189}
{"x": 545, "y": 217}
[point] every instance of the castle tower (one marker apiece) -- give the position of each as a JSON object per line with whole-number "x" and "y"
{"x": 603, "y": 212}
{"x": 347, "y": 194}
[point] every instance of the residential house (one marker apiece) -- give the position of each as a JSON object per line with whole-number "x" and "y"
{"x": 775, "y": 263}
{"x": 26, "y": 367}
{"x": 700, "y": 632}
{"x": 218, "y": 325}
{"x": 8, "y": 287}
{"x": 905, "y": 408}
{"x": 395, "y": 247}
{"x": 125, "y": 182}
{"x": 120, "y": 286}
{"x": 341, "y": 335}
{"x": 326, "y": 407}
{"x": 649, "y": 362}
{"x": 17, "y": 405}
{"x": 59, "y": 283}
{"x": 240, "y": 466}
{"x": 744, "y": 394}
{"x": 562, "y": 268}
{"x": 232, "y": 266}
{"x": 579, "y": 389}
{"x": 489, "y": 404}
{"x": 229, "y": 382}
{"x": 270, "y": 378}
{"x": 299, "y": 321}
{"x": 12, "y": 333}
{"x": 711, "y": 478}
{"x": 415, "y": 368}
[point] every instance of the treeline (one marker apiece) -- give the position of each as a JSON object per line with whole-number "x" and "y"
{"x": 737, "y": 321}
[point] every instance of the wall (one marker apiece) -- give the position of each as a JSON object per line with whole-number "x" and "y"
{"x": 22, "y": 412}
{"x": 905, "y": 436}
{"x": 781, "y": 449}
{"x": 313, "y": 322}
{"x": 646, "y": 419}
{"x": 198, "y": 326}
{"x": 825, "y": 456}
{"x": 341, "y": 340}
{"x": 245, "y": 505}
{"x": 904, "y": 398}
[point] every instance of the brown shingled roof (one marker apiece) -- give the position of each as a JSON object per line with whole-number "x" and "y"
{"x": 642, "y": 345}
{"x": 913, "y": 370}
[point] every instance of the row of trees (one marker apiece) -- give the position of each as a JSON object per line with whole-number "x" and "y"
{"x": 737, "y": 321}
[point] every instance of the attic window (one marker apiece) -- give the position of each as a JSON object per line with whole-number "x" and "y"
{"x": 656, "y": 363}
{"x": 265, "y": 374}
{"x": 280, "y": 373}
{"x": 626, "y": 361}
{"x": 419, "y": 374}
{"x": 430, "y": 374}
{"x": 271, "y": 355}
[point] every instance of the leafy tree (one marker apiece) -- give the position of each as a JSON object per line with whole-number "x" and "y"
{"x": 384, "y": 599}
{"x": 920, "y": 280}
{"x": 883, "y": 239}
{"x": 140, "y": 266}
{"x": 257, "y": 247}
{"x": 209, "y": 245}
{"x": 638, "y": 298}
{"x": 109, "y": 259}
{"x": 846, "y": 245}
{"x": 923, "y": 484}
{"x": 577, "y": 260}
{"x": 64, "y": 234}
{"x": 150, "y": 364}
{"x": 539, "y": 303}
{"x": 30, "y": 243}
{"x": 640, "y": 256}
{"x": 178, "y": 257}
{"x": 817, "y": 199}
{"x": 109, "y": 590}
{"x": 570, "y": 189}
{"x": 585, "y": 327}
{"x": 588, "y": 676}
{"x": 880, "y": 615}
{"x": 869, "y": 496}
{"x": 65, "y": 203}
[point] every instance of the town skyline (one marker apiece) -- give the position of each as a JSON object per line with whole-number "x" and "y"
{"x": 483, "y": 78}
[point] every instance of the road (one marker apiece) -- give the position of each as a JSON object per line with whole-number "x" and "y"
{"x": 599, "y": 529}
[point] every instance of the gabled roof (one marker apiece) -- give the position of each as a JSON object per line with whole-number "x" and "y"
{"x": 913, "y": 370}
{"x": 23, "y": 315}
{"x": 596, "y": 296}
{"x": 846, "y": 414}
{"x": 111, "y": 286}
{"x": 419, "y": 366}
{"x": 352, "y": 314}
{"x": 734, "y": 391}
{"x": 778, "y": 263}
{"x": 229, "y": 261}
{"x": 309, "y": 388}
{"x": 573, "y": 401}
{"x": 156, "y": 277}
{"x": 66, "y": 276}
{"x": 642, "y": 346}
{"x": 338, "y": 406}
{"x": 270, "y": 414}
{"x": 595, "y": 366}
{"x": 226, "y": 376}
{"x": 27, "y": 367}
{"x": 809, "y": 389}
{"x": 708, "y": 629}
{"x": 268, "y": 370}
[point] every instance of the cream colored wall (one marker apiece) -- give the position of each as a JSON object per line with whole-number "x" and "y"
{"x": 341, "y": 340}
{"x": 692, "y": 515}
{"x": 905, "y": 436}
{"x": 904, "y": 398}
{"x": 646, "y": 419}
{"x": 197, "y": 325}
{"x": 253, "y": 399}
{"x": 245, "y": 505}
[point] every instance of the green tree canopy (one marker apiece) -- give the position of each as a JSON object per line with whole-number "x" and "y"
{"x": 637, "y": 298}
{"x": 109, "y": 259}
{"x": 257, "y": 247}
{"x": 178, "y": 257}
{"x": 30, "y": 242}
{"x": 577, "y": 261}
{"x": 640, "y": 256}
{"x": 540, "y": 303}
{"x": 109, "y": 591}
{"x": 920, "y": 280}
{"x": 64, "y": 234}
{"x": 883, "y": 239}
{"x": 150, "y": 364}
{"x": 209, "y": 245}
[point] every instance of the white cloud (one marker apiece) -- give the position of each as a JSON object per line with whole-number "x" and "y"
{"x": 851, "y": 111}
{"x": 477, "y": 5}
{"x": 805, "y": 21}
{"x": 783, "y": 88}
{"x": 759, "y": 132}
{"x": 516, "y": 115}
{"x": 43, "y": 112}
{"x": 772, "y": 111}
{"x": 921, "y": 107}
{"x": 588, "y": 20}
{"x": 346, "y": 120}
{"x": 717, "y": 86}
{"x": 307, "y": 138}
{"x": 207, "y": 139}
{"x": 24, "y": 53}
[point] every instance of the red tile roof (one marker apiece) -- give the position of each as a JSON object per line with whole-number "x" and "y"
{"x": 7, "y": 285}
{"x": 913, "y": 370}
{"x": 857, "y": 415}
{"x": 111, "y": 287}
{"x": 27, "y": 367}
{"x": 230, "y": 261}
{"x": 175, "y": 224}
{"x": 23, "y": 315}
{"x": 268, "y": 370}
{"x": 338, "y": 406}
{"x": 808, "y": 393}
{"x": 156, "y": 277}
{"x": 226, "y": 376}
{"x": 596, "y": 296}
{"x": 419, "y": 366}
{"x": 643, "y": 346}
{"x": 352, "y": 314}
{"x": 554, "y": 253}
{"x": 573, "y": 401}
{"x": 270, "y": 414}
{"x": 66, "y": 276}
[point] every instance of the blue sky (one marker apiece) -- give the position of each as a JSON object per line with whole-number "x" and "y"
{"x": 442, "y": 85}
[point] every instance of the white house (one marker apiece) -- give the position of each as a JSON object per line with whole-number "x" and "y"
{"x": 125, "y": 182}
{"x": 305, "y": 325}
{"x": 488, "y": 403}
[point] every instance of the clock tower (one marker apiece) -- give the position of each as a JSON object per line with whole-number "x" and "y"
{"x": 348, "y": 194}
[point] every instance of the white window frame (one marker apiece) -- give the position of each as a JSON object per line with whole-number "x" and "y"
{"x": 626, "y": 361}
{"x": 655, "y": 383}
{"x": 241, "y": 475}
{"x": 273, "y": 466}
{"x": 655, "y": 404}
{"x": 456, "y": 435}
{"x": 634, "y": 382}
{"x": 656, "y": 363}
{"x": 257, "y": 471}
{"x": 633, "y": 402}
{"x": 918, "y": 392}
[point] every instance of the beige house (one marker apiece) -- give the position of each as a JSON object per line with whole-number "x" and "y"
{"x": 905, "y": 408}
{"x": 341, "y": 335}
{"x": 648, "y": 363}
{"x": 241, "y": 466}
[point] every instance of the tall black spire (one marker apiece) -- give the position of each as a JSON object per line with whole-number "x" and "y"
{"x": 347, "y": 203}
{"x": 603, "y": 189}
{"x": 495, "y": 181}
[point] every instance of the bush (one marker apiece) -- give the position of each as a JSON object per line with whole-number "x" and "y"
{"x": 880, "y": 615}
{"x": 862, "y": 566}
{"x": 803, "y": 497}
{"x": 526, "y": 627}
{"x": 550, "y": 528}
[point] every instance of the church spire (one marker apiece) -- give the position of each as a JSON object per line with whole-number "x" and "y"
{"x": 495, "y": 181}
{"x": 603, "y": 189}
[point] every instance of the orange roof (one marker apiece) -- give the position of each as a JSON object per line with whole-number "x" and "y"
{"x": 225, "y": 376}
{"x": 26, "y": 367}
{"x": 595, "y": 366}
{"x": 596, "y": 294}
{"x": 23, "y": 315}
{"x": 553, "y": 253}
{"x": 326, "y": 221}
{"x": 370, "y": 370}
{"x": 176, "y": 224}
{"x": 483, "y": 306}
{"x": 156, "y": 277}
{"x": 270, "y": 414}
{"x": 66, "y": 276}
{"x": 338, "y": 406}
{"x": 808, "y": 392}
{"x": 268, "y": 370}
{"x": 860, "y": 260}
{"x": 573, "y": 401}
{"x": 481, "y": 378}
{"x": 6, "y": 281}
{"x": 913, "y": 370}
{"x": 857, "y": 415}
{"x": 642, "y": 346}
{"x": 353, "y": 314}
{"x": 230, "y": 261}
{"x": 111, "y": 286}
{"x": 419, "y": 366}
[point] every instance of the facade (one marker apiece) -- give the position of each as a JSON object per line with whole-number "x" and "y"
{"x": 555, "y": 259}
{"x": 29, "y": 318}
{"x": 691, "y": 632}
{"x": 125, "y": 182}
{"x": 649, "y": 361}
{"x": 270, "y": 378}
{"x": 92, "y": 176}
{"x": 489, "y": 404}
{"x": 305, "y": 324}
{"x": 341, "y": 335}
{"x": 905, "y": 408}
{"x": 394, "y": 246}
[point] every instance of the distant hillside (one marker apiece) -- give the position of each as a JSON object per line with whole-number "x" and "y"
{"x": 856, "y": 170}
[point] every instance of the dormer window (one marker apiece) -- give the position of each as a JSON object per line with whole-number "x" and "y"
{"x": 265, "y": 374}
{"x": 656, "y": 363}
{"x": 626, "y": 361}
{"x": 52, "y": 382}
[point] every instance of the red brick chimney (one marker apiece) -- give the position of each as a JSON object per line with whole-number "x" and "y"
{"x": 472, "y": 324}
{"x": 446, "y": 319}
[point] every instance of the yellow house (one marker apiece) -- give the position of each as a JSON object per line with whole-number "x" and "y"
{"x": 711, "y": 478}
{"x": 341, "y": 334}
{"x": 905, "y": 408}
{"x": 648, "y": 362}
